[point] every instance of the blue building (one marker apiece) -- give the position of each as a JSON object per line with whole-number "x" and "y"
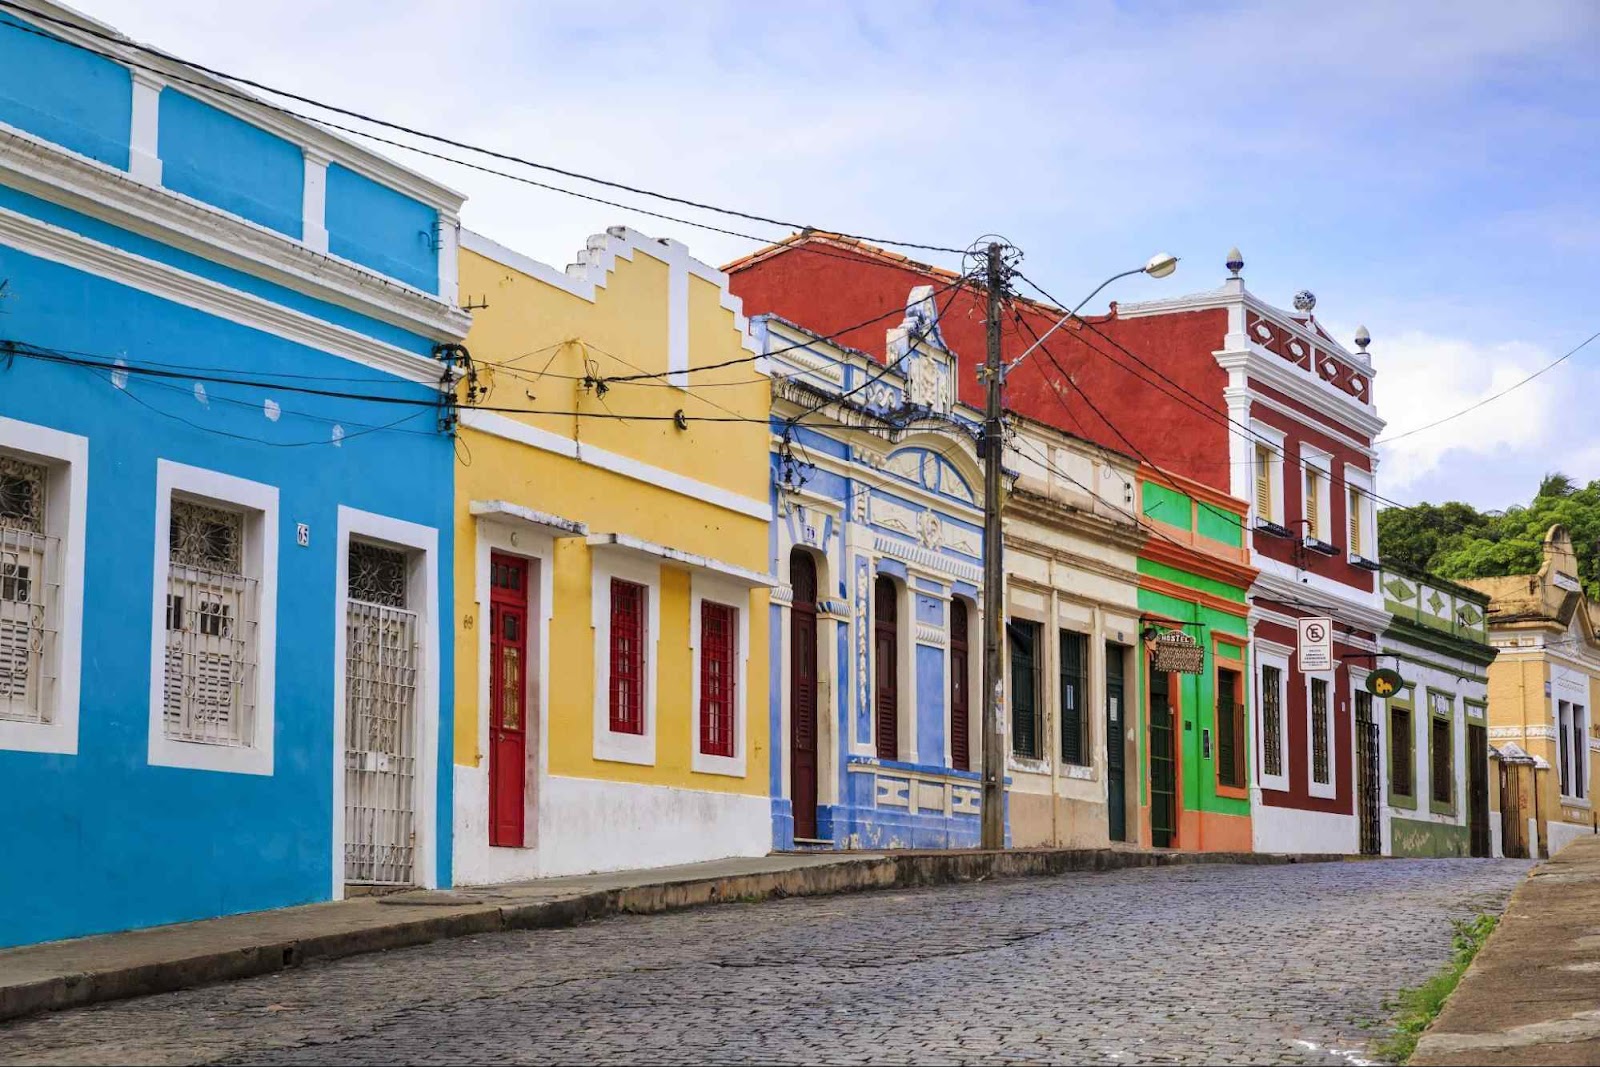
{"x": 225, "y": 497}
{"x": 876, "y": 633}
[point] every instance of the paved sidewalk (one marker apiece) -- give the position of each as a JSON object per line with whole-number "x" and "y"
{"x": 64, "y": 974}
{"x": 1532, "y": 996}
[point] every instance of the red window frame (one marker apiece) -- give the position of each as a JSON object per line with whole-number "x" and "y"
{"x": 628, "y": 604}
{"x": 718, "y": 677}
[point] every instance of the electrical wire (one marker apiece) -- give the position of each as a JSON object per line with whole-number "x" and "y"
{"x": 123, "y": 42}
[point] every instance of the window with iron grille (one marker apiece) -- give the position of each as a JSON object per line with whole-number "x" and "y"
{"x": 628, "y": 603}
{"x": 1580, "y": 739}
{"x": 1230, "y": 730}
{"x": 1402, "y": 745}
{"x": 1443, "y": 762}
{"x": 209, "y": 690}
{"x": 719, "y": 636}
{"x": 28, "y": 592}
{"x": 1564, "y": 746}
{"x": 1321, "y": 772}
{"x": 1023, "y": 641}
{"x": 1272, "y": 721}
{"x": 1074, "y": 698}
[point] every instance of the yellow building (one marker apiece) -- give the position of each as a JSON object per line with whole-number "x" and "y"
{"x": 1544, "y": 687}
{"x": 611, "y": 566}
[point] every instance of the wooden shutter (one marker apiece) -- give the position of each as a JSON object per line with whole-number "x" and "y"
{"x": 886, "y": 626}
{"x": 1023, "y": 638}
{"x": 960, "y": 698}
{"x": 627, "y": 656}
{"x": 1313, "y": 504}
{"x": 1400, "y": 746}
{"x": 1443, "y": 762}
{"x": 718, "y": 684}
{"x": 1074, "y": 698}
{"x": 1355, "y": 521}
{"x": 1263, "y": 483}
{"x": 1230, "y": 731}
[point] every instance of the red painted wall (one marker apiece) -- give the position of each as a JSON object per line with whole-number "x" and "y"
{"x": 825, "y": 292}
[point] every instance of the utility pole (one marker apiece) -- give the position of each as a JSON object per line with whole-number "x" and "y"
{"x": 994, "y": 611}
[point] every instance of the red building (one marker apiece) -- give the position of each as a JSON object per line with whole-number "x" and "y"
{"x": 1217, "y": 386}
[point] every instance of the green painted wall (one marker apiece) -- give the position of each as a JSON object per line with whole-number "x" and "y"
{"x": 1220, "y": 525}
{"x": 1170, "y": 507}
{"x": 1193, "y": 581}
{"x": 1413, "y": 837}
{"x": 1196, "y": 693}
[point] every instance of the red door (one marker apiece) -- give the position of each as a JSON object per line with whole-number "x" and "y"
{"x": 960, "y": 724}
{"x": 887, "y": 682}
{"x": 803, "y": 694}
{"x": 508, "y": 734}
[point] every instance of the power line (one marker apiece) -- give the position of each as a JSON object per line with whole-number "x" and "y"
{"x": 122, "y": 42}
{"x": 1486, "y": 400}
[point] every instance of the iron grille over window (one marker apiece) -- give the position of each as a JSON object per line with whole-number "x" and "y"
{"x": 1401, "y": 745}
{"x": 1580, "y": 763}
{"x": 377, "y": 574}
{"x": 1443, "y": 779}
{"x": 627, "y": 656}
{"x": 718, "y": 681}
{"x": 1023, "y": 638}
{"x": 211, "y": 620}
{"x": 1271, "y": 721}
{"x": 1320, "y": 772}
{"x": 1230, "y": 730}
{"x": 1074, "y": 698}
{"x": 28, "y": 558}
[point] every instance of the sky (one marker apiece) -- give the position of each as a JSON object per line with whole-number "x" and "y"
{"x": 1428, "y": 170}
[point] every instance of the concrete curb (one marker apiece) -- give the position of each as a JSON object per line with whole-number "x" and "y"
{"x": 186, "y": 969}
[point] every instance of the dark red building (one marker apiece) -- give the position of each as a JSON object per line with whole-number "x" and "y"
{"x": 1217, "y": 386}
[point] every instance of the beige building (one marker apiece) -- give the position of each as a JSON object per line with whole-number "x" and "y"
{"x": 1544, "y": 687}
{"x": 1072, "y": 626}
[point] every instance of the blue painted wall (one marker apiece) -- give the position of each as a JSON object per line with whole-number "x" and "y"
{"x": 216, "y": 158}
{"x": 101, "y": 840}
{"x": 377, "y": 227}
{"x": 64, "y": 94}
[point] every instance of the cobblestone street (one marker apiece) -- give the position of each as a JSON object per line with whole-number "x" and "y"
{"x": 1205, "y": 964}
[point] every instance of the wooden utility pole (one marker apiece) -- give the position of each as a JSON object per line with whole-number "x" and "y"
{"x": 994, "y": 611}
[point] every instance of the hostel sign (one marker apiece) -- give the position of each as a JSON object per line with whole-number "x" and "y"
{"x": 1177, "y": 653}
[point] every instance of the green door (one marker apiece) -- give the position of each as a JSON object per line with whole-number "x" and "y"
{"x": 1163, "y": 767}
{"x": 1116, "y": 788}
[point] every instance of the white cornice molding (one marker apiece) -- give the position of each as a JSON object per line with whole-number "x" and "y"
{"x": 1256, "y": 362}
{"x": 1322, "y": 428}
{"x": 1353, "y": 612}
{"x": 27, "y": 234}
{"x": 510, "y": 429}
{"x": 52, "y": 173}
{"x": 225, "y": 96}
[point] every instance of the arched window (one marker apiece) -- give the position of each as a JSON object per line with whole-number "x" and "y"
{"x": 886, "y": 688}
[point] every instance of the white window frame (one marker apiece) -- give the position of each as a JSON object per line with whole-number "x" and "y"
{"x": 1362, "y": 482}
{"x": 1261, "y": 433}
{"x": 1268, "y": 655}
{"x": 703, "y": 587}
{"x": 605, "y": 565}
{"x": 1329, "y": 789}
{"x": 66, "y": 459}
{"x": 1314, "y": 459}
{"x": 423, "y": 543}
{"x": 260, "y": 502}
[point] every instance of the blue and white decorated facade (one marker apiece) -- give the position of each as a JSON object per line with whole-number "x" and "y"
{"x": 876, "y": 633}
{"x": 225, "y": 498}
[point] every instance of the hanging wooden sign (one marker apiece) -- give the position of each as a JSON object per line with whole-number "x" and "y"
{"x": 1176, "y": 652}
{"x": 1384, "y": 682}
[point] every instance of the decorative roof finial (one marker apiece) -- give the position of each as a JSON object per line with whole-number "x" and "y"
{"x": 1235, "y": 262}
{"x": 1363, "y": 338}
{"x": 1305, "y": 300}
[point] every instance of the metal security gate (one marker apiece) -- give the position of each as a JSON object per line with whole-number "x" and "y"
{"x": 1163, "y": 766}
{"x": 1368, "y": 777}
{"x": 381, "y": 675}
{"x": 1478, "y": 789}
{"x": 1116, "y": 797}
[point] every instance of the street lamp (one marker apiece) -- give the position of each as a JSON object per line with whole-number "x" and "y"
{"x": 1161, "y": 265}
{"x": 995, "y": 370}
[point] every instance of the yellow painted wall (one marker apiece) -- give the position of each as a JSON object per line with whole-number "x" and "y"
{"x": 544, "y": 341}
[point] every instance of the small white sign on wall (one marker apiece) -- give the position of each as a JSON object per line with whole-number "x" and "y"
{"x": 1315, "y": 650}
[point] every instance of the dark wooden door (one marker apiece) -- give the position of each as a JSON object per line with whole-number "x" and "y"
{"x": 803, "y": 694}
{"x": 1513, "y": 827}
{"x": 1116, "y": 775}
{"x": 960, "y": 705}
{"x": 1478, "y": 789}
{"x": 886, "y": 683}
{"x": 1368, "y": 777}
{"x": 508, "y": 732}
{"x": 1163, "y": 765}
